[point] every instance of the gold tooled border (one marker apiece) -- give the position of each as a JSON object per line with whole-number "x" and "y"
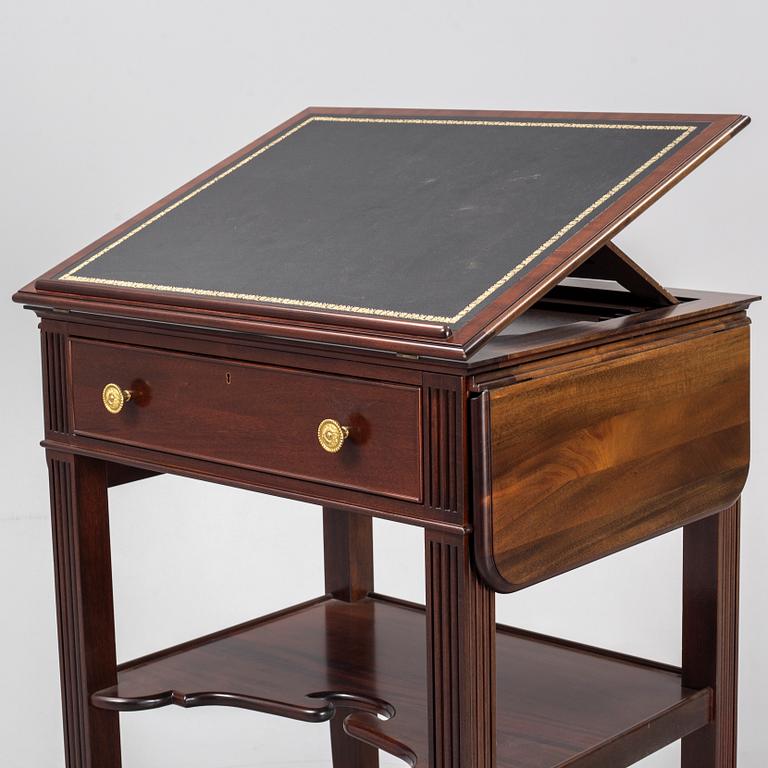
{"x": 686, "y": 131}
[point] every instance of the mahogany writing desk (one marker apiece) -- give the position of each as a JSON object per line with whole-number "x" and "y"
{"x": 417, "y": 316}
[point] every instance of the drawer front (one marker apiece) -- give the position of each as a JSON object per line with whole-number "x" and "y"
{"x": 260, "y": 417}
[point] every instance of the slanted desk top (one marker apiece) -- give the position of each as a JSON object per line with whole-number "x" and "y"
{"x": 431, "y": 225}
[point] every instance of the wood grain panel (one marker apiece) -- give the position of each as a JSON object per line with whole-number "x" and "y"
{"x": 589, "y": 461}
{"x": 560, "y": 705}
{"x": 260, "y": 417}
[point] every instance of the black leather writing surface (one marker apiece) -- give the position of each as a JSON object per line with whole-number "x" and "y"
{"x": 413, "y": 218}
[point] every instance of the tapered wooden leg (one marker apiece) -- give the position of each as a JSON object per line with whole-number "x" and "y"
{"x": 85, "y": 613}
{"x": 710, "y": 633}
{"x": 461, "y": 654}
{"x": 348, "y": 545}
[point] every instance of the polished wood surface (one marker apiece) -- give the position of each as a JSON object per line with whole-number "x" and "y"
{"x": 426, "y": 691}
{"x": 711, "y": 633}
{"x": 558, "y": 704}
{"x": 83, "y": 573}
{"x": 348, "y": 551}
{"x": 585, "y": 461}
{"x": 254, "y": 416}
{"x": 598, "y": 329}
{"x": 611, "y": 263}
{"x": 461, "y": 657}
{"x": 443, "y": 424}
{"x": 346, "y": 750}
{"x": 420, "y": 683}
{"x": 348, "y": 554}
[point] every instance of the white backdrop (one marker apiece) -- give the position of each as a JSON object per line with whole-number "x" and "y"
{"x": 108, "y": 106}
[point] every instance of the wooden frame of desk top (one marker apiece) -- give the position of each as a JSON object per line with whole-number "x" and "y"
{"x": 410, "y": 336}
{"x": 447, "y": 706}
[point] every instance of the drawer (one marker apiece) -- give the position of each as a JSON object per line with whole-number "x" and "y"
{"x": 260, "y": 417}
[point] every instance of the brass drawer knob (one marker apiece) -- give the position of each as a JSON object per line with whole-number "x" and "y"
{"x": 114, "y": 398}
{"x": 331, "y": 435}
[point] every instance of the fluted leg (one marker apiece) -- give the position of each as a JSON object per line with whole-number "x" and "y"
{"x": 84, "y": 608}
{"x": 461, "y": 650}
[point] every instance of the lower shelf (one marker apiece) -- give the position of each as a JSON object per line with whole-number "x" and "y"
{"x": 558, "y": 704}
